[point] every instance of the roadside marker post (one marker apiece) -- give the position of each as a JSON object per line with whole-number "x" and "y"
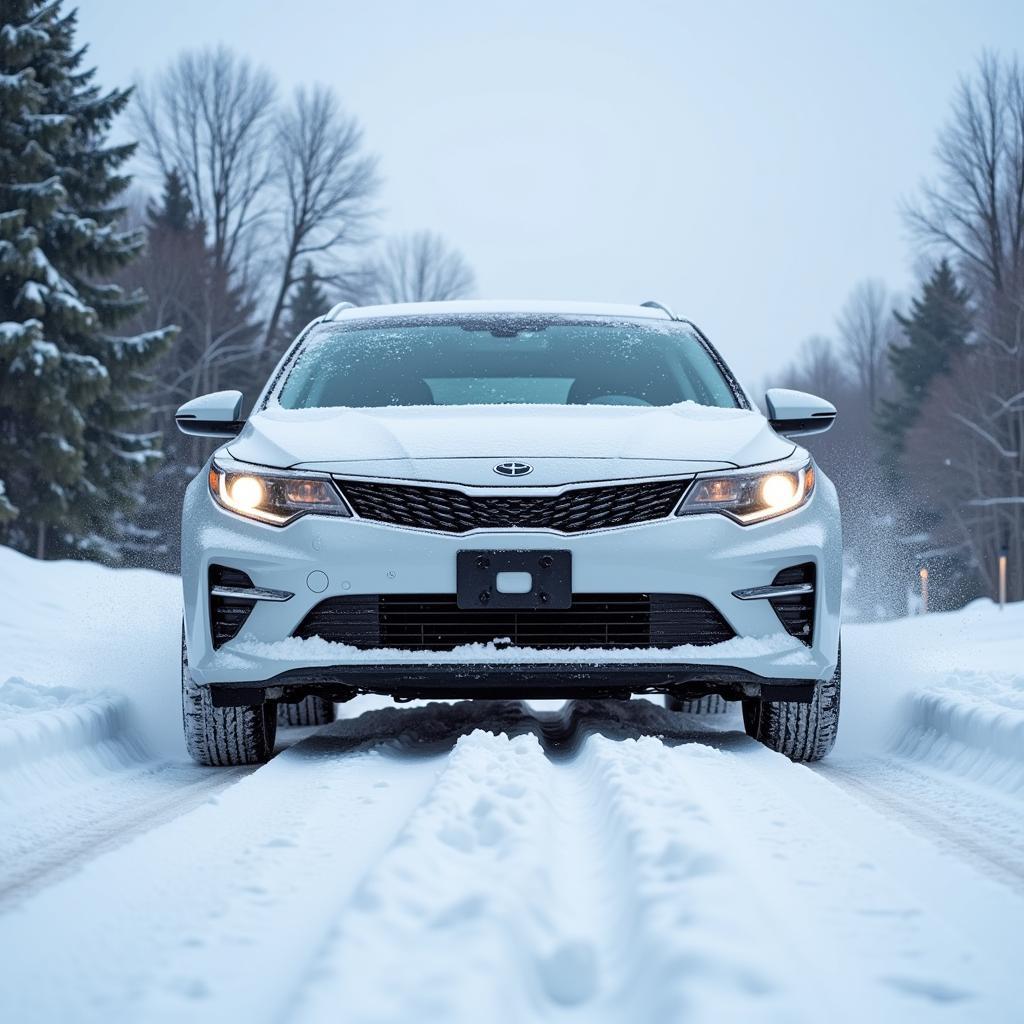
{"x": 924, "y": 590}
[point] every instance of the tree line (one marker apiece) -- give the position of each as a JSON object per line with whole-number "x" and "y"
{"x": 928, "y": 451}
{"x": 116, "y": 307}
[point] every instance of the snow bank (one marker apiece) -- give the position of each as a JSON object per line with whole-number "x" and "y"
{"x": 87, "y": 652}
{"x": 946, "y": 687}
{"x": 54, "y": 737}
{"x": 36, "y": 721}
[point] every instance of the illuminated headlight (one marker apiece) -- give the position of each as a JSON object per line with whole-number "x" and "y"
{"x": 275, "y": 498}
{"x": 751, "y": 497}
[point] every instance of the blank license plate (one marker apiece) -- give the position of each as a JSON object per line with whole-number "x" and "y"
{"x": 498, "y": 579}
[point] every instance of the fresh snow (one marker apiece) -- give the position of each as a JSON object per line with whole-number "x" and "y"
{"x": 316, "y": 651}
{"x": 497, "y": 861}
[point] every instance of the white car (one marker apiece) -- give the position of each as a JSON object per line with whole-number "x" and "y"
{"x": 507, "y": 499}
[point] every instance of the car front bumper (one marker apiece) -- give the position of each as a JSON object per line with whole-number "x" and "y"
{"x": 708, "y": 556}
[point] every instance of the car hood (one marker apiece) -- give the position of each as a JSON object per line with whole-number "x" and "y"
{"x": 463, "y": 443}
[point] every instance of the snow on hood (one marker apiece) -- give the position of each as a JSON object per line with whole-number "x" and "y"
{"x": 686, "y": 432}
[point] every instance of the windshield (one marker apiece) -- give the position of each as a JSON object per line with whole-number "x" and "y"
{"x": 502, "y": 359}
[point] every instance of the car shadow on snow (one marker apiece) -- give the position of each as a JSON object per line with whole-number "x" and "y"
{"x": 431, "y": 729}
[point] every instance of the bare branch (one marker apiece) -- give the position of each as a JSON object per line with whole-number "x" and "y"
{"x": 326, "y": 185}
{"x": 420, "y": 267}
{"x": 208, "y": 116}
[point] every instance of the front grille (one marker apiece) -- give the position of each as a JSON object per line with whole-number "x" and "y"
{"x": 452, "y": 511}
{"x": 227, "y": 614}
{"x": 435, "y": 622}
{"x": 796, "y": 613}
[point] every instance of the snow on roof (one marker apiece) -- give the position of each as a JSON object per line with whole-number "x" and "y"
{"x": 501, "y": 306}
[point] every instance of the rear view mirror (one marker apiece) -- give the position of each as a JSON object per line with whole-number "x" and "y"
{"x": 214, "y": 415}
{"x": 797, "y": 414}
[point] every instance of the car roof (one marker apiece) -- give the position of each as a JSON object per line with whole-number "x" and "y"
{"x": 485, "y": 306}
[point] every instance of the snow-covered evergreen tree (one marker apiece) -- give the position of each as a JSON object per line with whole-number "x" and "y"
{"x": 71, "y": 461}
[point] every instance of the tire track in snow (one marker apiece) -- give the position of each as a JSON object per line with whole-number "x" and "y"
{"x": 610, "y": 862}
{"x": 75, "y": 781}
{"x": 676, "y": 957}
{"x": 520, "y": 833}
{"x": 459, "y": 877}
{"x": 49, "y": 843}
{"x": 963, "y": 820}
{"x": 205, "y": 917}
{"x": 910, "y": 933}
{"x": 557, "y": 887}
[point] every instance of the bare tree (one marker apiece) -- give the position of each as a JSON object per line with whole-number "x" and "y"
{"x": 966, "y": 454}
{"x": 867, "y": 328}
{"x": 970, "y": 441}
{"x": 817, "y": 368}
{"x": 326, "y": 183}
{"x": 420, "y": 267}
{"x": 976, "y": 208}
{"x": 209, "y": 116}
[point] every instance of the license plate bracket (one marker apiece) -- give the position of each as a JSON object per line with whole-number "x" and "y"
{"x": 477, "y": 580}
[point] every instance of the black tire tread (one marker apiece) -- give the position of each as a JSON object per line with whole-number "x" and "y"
{"x": 308, "y": 711}
{"x": 710, "y": 704}
{"x": 803, "y": 732}
{"x": 223, "y": 737}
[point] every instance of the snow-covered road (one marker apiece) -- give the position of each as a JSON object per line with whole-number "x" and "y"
{"x": 597, "y": 861}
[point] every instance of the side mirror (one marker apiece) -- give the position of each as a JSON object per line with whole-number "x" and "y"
{"x": 797, "y": 414}
{"x": 213, "y": 415}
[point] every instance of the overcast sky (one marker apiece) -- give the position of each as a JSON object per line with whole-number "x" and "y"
{"x": 742, "y": 162}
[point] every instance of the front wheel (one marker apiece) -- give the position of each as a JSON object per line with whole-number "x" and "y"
{"x": 224, "y": 736}
{"x": 803, "y": 732}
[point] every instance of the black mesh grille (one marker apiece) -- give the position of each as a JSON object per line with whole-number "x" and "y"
{"x": 228, "y": 614}
{"x": 452, "y": 511}
{"x": 435, "y": 622}
{"x": 796, "y": 613}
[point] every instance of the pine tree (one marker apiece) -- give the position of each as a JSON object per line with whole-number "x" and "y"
{"x": 174, "y": 211}
{"x": 306, "y": 303}
{"x": 935, "y": 330}
{"x": 71, "y": 460}
{"x": 175, "y": 271}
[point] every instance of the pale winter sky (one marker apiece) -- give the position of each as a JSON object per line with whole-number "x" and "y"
{"x": 741, "y": 162}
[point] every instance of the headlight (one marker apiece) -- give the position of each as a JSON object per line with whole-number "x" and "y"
{"x": 275, "y": 498}
{"x": 751, "y": 497}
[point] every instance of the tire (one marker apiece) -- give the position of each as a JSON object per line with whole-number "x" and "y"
{"x": 712, "y": 704}
{"x": 221, "y": 737}
{"x": 308, "y": 711}
{"x": 803, "y": 732}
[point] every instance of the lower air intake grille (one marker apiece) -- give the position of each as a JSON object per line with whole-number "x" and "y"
{"x": 228, "y": 614}
{"x": 451, "y": 511}
{"x": 435, "y": 622}
{"x": 796, "y": 613}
